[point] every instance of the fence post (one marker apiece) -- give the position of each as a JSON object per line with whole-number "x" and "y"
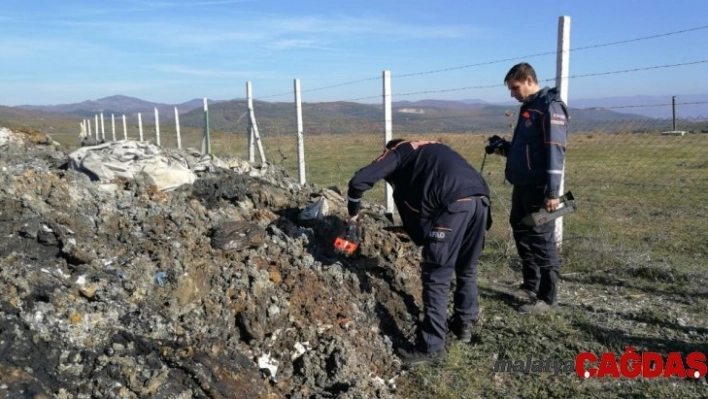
{"x": 113, "y": 126}
{"x": 562, "y": 73}
{"x": 140, "y": 126}
{"x": 125, "y": 129}
{"x": 179, "y": 136}
{"x": 251, "y": 145}
{"x": 157, "y": 126}
{"x": 253, "y": 123}
{"x": 388, "y": 132}
{"x": 103, "y": 129}
{"x": 206, "y": 139}
{"x": 251, "y": 136}
{"x": 95, "y": 117}
{"x": 88, "y": 123}
{"x": 300, "y": 139}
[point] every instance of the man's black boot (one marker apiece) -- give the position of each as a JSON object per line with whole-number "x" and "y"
{"x": 464, "y": 333}
{"x": 416, "y": 357}
{"x": 462, "y": 330}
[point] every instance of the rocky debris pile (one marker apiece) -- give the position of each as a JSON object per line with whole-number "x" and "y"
{"x": 227, "y": 287}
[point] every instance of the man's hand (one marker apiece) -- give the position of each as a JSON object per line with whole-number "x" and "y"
{"x": 353, "y": 219}
{"x": 551, "y": 204}
{"x": 497, "y": 145}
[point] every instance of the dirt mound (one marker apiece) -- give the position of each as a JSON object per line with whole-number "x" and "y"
{"x": 218, "y": 289}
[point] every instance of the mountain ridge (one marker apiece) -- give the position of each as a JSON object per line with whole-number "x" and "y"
{"x": 114, "y": 104}
{"x": 653, "y": 106}
{"x": 429, "y": 116}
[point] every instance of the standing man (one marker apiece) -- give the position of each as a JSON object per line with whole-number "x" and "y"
{"x": 534, "y": 165}
{"x": 444, "y": 206}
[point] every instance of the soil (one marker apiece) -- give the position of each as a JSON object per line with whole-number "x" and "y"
{"x": 218, "y": 289}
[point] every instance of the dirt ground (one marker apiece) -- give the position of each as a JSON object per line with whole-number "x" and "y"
{"x": 229, "y": 288}
{"x": 218, "y": 289}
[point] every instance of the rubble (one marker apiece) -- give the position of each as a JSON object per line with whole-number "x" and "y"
{"x": 114, "y": 288}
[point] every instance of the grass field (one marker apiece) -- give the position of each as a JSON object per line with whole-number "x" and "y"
{"x": 634, "y": 275}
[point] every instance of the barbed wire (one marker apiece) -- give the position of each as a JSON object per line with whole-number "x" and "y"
{"x": 631, "y": 70}
{"x": 594, "y": 46}
{"x": 543, "y": 80}
{"x": 401, "y": 121}
{"x": 651, "y": 105}
{"x": 313, "y": 106}
{"x": 325, "y": 87}
{"x": 575, "y": 49}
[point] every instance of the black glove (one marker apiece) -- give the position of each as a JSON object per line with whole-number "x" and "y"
{"x": 351, "y": 233}
{"x": 353, "y": 207}
{"x": 497, "y": 143}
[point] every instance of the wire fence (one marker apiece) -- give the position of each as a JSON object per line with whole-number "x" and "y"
{"x": 639, "y": 171}
{"x": 641, "y": 192}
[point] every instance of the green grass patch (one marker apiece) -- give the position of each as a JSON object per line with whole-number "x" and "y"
{"x": 634, "y": 260}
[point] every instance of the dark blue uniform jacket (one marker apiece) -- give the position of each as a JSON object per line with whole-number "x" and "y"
{"x": 537, "y": 150}
{"x": 426, "y": 178}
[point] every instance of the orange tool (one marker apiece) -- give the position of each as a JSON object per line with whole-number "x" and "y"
{"x": 347, "y": 243}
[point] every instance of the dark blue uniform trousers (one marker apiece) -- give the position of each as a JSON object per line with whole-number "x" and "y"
{"x": 536, "y": 245}
{"x": 453, "y": 245}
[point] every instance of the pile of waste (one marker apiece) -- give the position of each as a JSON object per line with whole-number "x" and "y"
{"x": 128, "y": 270}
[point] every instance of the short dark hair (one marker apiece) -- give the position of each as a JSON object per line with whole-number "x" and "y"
{"x": 393, "y": 143}
{"x": 520, "y": 72}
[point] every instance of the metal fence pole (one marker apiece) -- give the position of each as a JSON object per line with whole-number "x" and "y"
{"x": 179, "y": 135}
{"x": 125, "y": 129}
{"x": 140, "y": 125}
{"x": 251, "y": 135}
{"x": 157, "y": 126}
{"x": 388, "y": 131}
{"x": 103, "y": 128}
{"x": 562, "y": 73}
{"x": 206, "y": 140}
{"x": 253, "y": 124}
{"x": 300, "y": 139}
{"x": 113, "y": 126}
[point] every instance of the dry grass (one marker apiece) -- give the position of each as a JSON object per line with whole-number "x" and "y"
{"x": 634, "y": 261}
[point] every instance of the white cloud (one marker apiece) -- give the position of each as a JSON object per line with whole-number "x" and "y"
{"x": 19, "y": 49}
{"x": 288, "y": 44}
{"x": 347, "y": 25}
{"x": 184, "y": 4}
{"x": 211, "y": 73}
{"x": 202, "y": 72}
{"x": 258, "y": 29}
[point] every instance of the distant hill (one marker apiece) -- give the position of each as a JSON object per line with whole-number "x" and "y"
{"x": 462, "y": 104}
{"x": 694, "y": 106}
{"x": 115, "y": 105}
{"x": 428, "y": 116}
{"x": 50, "y": 123}
{"x": 688, "y": 106}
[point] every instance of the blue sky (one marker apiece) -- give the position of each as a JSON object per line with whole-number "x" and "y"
{"x": 171, "y": 51}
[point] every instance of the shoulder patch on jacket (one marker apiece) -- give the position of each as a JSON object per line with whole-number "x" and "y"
{"x": 558, "y": 119}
